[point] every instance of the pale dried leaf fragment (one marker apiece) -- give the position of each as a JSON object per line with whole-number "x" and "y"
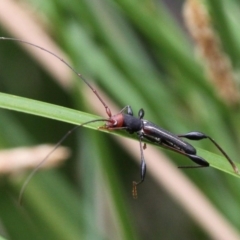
{"x": 19, "y": 159}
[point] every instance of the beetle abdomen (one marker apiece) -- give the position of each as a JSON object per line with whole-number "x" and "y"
{"x": 159, "y": 135}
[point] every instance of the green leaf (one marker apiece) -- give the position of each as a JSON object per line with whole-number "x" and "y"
{"x": 47, "y": 110}
{"x": 59, "y": 113}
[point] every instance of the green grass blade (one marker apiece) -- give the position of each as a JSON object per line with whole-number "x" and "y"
{"x": 43, "y": 109}
{"x": 59, "y": 113}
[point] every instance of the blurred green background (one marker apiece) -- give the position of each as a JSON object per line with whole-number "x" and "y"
{"x": 139, "y": 54}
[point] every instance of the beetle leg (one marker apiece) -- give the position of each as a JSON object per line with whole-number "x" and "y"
{"x": 199, "y": 136}
{"x": 142, "y": 170}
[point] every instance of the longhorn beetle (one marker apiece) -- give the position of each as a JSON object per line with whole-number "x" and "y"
{"x": 145, "y": 130}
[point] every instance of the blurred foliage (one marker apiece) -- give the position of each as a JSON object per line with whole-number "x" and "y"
{"x": 139, "y": 55}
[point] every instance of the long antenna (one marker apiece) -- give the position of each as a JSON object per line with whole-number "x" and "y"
{"x": 33, "y": 172}
{"x": 108, "y": 111}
